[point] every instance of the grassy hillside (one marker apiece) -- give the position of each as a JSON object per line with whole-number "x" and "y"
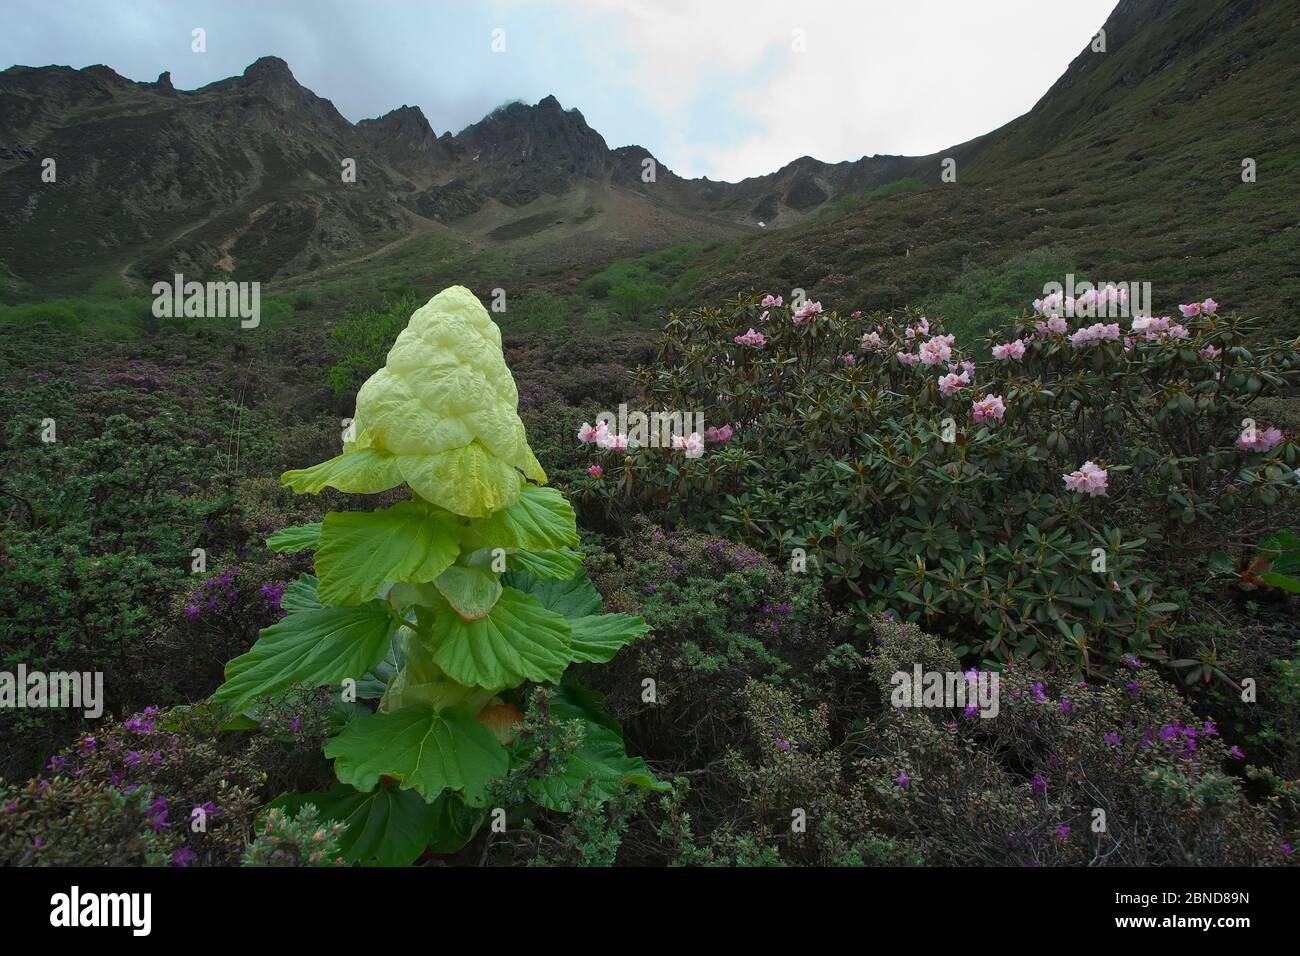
{"x": 1129, "y": 169}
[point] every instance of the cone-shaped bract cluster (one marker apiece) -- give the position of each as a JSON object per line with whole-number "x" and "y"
{"x": 441, "y": 416}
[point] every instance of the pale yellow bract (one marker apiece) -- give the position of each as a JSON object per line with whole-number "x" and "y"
{"x": 441, "y": 415}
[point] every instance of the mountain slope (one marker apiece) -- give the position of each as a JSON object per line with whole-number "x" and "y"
{"x": 243, "y": 177}
{"x": 1130, "y": 166}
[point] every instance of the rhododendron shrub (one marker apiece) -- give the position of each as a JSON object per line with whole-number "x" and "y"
{"x": 429, "y": 617}
{"x": 1025, "y": 497}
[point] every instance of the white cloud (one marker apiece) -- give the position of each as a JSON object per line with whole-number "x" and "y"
{"x": 907, "y": 77}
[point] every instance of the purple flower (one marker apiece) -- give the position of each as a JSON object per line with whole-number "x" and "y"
{"x": 902, "y": 779}
{"x": 1062, "y": 831}
{"x": 183, "y": 857}
{"x": 132, "y": 758}
{"x": 1113, "y": 739}
{"x": 57, "y": 763}
{"x": 1235, "y": 751}
{"x": 1040, "y": 785}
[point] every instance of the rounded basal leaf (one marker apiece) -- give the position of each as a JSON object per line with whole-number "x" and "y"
{"x": 471, "y": 591}
{"x": 313, "y": 647}
{"x": 361, "y": 551}
{"x": 389, "y": 826}
{"x": 540, "y": 520}
{"x": 301, "y": 595}
{"x": 422, "y": 750}
{"x": 519, "y": 640}
{"x": 552, "y": 563}
{"x": 574, "y": 597}
{"x": 292, "y": 540}
{"x": 600, "y": 767}
{"x": 596, "y": 638}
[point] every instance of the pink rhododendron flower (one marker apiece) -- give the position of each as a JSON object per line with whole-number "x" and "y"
{"x": 937, "y": 350}
{"x": 848, "y": 358}
{"x": 1089, "y": 479}
{"x": 952, "y": 382}
{"x": 1260, "y": 441}
{"x": 804, "y": 314}
{"x": 587, "y": 434}
{"x": 718, "y": 435}
{"x": 595, "y": 471}
{"x": 1010, "y": 350}
{"x": 1050, "y": 303}
{"x": 769, "y": 300}
{"x": 1190, "y": 311}
{"x": 871, "y": 340}
{"x": 1209, "y": 307}
{"x": 1095, "y": 333}
{"x": 1054, "y": 324}
{"x": 751, "y": 338}
{"x": 990, "y": 406}
{"x": 909, "y": 358}
{"x": 613, "y": 442}
{"x": 692, "y": 444}
{"x": 1209, "y": 353}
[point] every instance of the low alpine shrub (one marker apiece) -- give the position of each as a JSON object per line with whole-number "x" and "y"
{"x": 1029, "y": 505}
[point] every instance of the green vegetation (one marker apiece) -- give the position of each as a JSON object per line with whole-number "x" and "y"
{"x": 839, "y": 207}
{"x": 983, "y": 297}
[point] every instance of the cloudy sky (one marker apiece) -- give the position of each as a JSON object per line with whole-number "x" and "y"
{"x": 718, "y": 88}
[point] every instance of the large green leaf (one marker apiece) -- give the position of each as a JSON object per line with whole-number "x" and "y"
{"x": 386, "y": 827}
{"x": 600, "y": 767}
{"x": 471, "y": 591}
{"x": 298, "y": 538}
{"x": 596, "y": 638}
{"x": 313, "y": 647}
{"x": 301, "y": 595}
{"x": 575, "y": 597}
{"x": 365, "y": 471}
{"x": 519, "y": 640}
{"x": 541, "y": 519}
{"x": 554, "y": 563}
{"x": 425, "y": 751}
{"x": 361, "y": 551}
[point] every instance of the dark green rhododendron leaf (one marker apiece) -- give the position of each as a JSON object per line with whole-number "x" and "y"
{"x": 301, "y": 595}
{"x": 519, "y": 640}
{"x": 313, "y": 647}
{"x": 298, "y": 538}
{"x": 425, "y": 751}
{"x": 386, "y": 827}
{"x": 600, "y": 767}
{"x": 361, "y": 551}
{"x": 596, "y": 638}
{"x": 471, "y": 591}
{"x": 576, "y": 597}
{"x": 541, "y": 519}
{"x": 555, "y": 563}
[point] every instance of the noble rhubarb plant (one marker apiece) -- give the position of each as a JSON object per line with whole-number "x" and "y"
{"x": 439, "y": 610}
